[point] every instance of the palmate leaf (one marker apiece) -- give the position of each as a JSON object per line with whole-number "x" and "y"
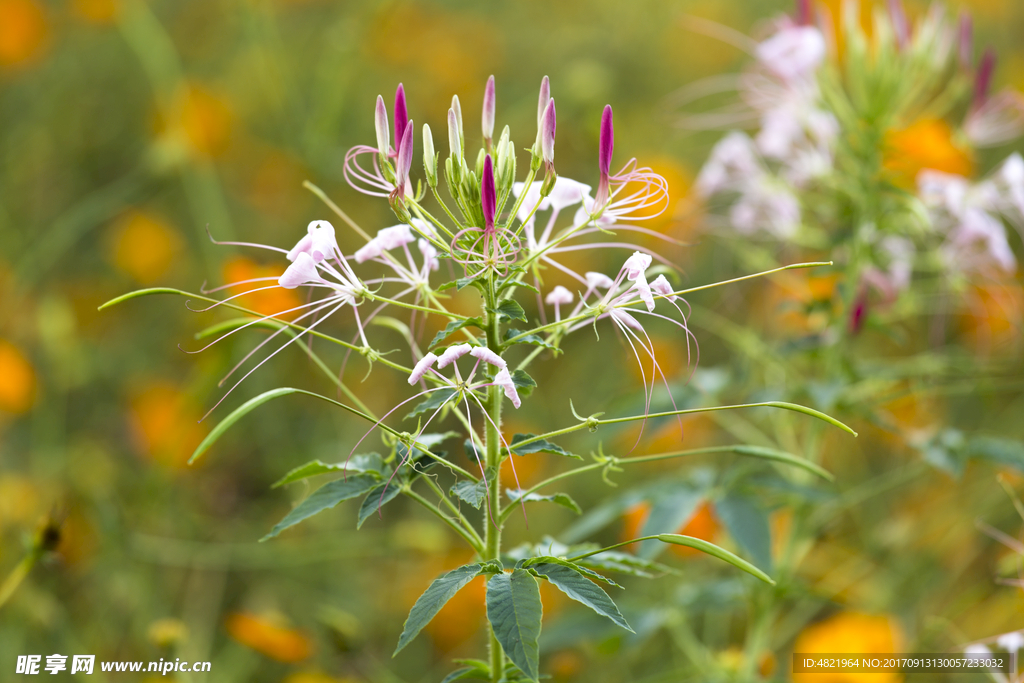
{"x": 433, "y": 599}
{"x": 432, "y": 402}
{"x": 582, "y": 590}
{"x": 452, "y": 327}
{"x": 324, "y": 498}
{"x": 514, "y": 610}
{"x": 541, "y": 446}
{"x": 534, "y": 339}
{"x": 524, "y": 383}
{"x": 366, "y": 462}
{"x": 473, "y": 493}
{"x": 378, "y": 497}
{"x": 563, "y": 499}
{"x": 509, "y": 309}
{"x": 550, "y": 559}
{"x": 623, "y": 563}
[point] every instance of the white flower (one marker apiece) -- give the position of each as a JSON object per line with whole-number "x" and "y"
{"x": 302, "y": 271}
{"x": 599, "y": 280}
{"x": 485, "y": 354}
{"x": 386, "y": 239}
{"x": 1012, "y": 641}
{"x": 452, "y": 354}
{"x": 504, "y": 380}
{"x": 559, "y": 295}
{"x": 793, "y": 53}
{"x": 319, "y": 242}
{"x": 421, "y": 368}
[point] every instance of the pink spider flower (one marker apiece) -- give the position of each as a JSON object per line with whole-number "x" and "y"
{"x": 970, "y": 215}
{"x": 316, "y": 264}
{"x": 470, "y": 391}
{"x": 634, "y": 193}
{"x": 495, "y": 247}
{"x": 381, "y": 178}
{"x": 629, "y": 287}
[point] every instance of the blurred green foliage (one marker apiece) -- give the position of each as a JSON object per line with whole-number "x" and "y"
{"x": 130, "y": 129}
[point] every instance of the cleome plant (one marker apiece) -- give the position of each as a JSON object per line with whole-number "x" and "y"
{"x": 498, "y": 236}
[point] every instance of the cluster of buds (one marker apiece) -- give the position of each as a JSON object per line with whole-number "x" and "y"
{"x": 880, "y": 130}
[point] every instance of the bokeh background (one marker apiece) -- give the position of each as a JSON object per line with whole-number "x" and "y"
{"x": 129, "y": 129}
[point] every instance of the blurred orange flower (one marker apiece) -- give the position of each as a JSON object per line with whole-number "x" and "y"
{"x": 96, "y": 11}
{"x": 995, "y": 321}
{"x": 926, "y": 143}
{"x": 17, "y": 380}
{"x": 144, "y": 246}
{"x": 702, "y": 525}
{"x": 23, "y": 31}
{"x": 267, "y": 302}
{"x": 268, "y": 636}
{"x": 165, "y": 425}
{"x": 313, "y": 677}
{"x": 854, "y": 633}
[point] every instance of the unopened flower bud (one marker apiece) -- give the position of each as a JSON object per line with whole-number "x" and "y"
{"x": 404, "y": 164}
{"x": 900, "y": 25}
{"x": 429, "y": 158}
{"x": 983, "y": 79}
{"x": 454, "y": 140}
{"x": 488, "y": 113}
{"x": 488, "y": 195}
{"x": 380, "y": 122}
{"x": 547, "y": 138}
{"x": 401, "y": 115}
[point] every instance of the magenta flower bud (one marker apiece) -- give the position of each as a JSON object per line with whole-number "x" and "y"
{"x": 966, "y": 40}
{"x": 488, "y": 115}
{"x": 803, "y": 12}
{"x": 547, "y": 135}
{"x": 488, "y": 195}
{"x": 542, "y": 103}
{"x": 606, "y": 144}
{"x": 404, "y": 164}
{"x": 983, "y": 78}
{"x": 380, "y": 122}
{"x": 401, "y": 115}
{"x": 900, "y": 26}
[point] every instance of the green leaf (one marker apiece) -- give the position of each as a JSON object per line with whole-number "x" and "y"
{"x": 457, "y": 284}
{"x": 783, "y": 457}
{"x": 541, "y": 446}
{"x": 467, "y": 672}
{"x": 235, "y": 416}
{"x": 715, "y": 551}
{"x": 325, "y": 497}
{"x": 563, "y": 499}
{"x": 514, "y": 610}
{"x": 524, "y": 383}
{"x": 589, "y": 573}
{"x": 368, "y": 462}
{"x": 582, "y": 590}
{"x": 624, "y": 563}
{"x": 748, "y": 525}
{"x": 377, "y": 498}
{"x": 509, "y": 309}
{"x": 433, "y": 402}
{"x": 433, "y": 599}
{"x": 453, "y": 326}
{"x": 473, "y": 493}
{"x": 533, "y": 339}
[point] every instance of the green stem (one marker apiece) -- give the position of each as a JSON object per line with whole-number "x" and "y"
{"x": 455, "y": 525}
{"x": 492, "y": 443}
{"x": 17, "y": 575}
{"x": 655, "y": 537}
{"x": 477, "y": 542}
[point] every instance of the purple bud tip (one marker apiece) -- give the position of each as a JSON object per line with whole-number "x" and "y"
{"x": 401, "y": 115}
{"x": 488, "y": 116}
{"x": 547, "y": 133}
{"x": 900, "y": 27}
{"x": 983, "y": 79}
{"x": 803, "y": 12}
{"x": 488, "y": 195}
{"x": 607, "y": 142}
{"x": 966, "y": 40}
{"x": 542, "y": 103}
